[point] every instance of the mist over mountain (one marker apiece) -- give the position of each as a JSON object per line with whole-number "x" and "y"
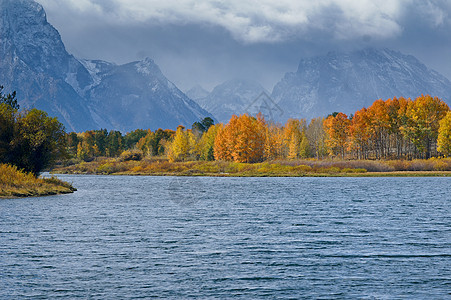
{"x": 91, "y": 94}
{"x": 83, "y": 94}
{"x": 233, "y": 97}
{"x": 197, "y": 92}
{"x": 346, "y": 82}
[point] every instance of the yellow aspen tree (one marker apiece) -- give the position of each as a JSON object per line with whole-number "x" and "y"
{"x": 293, "y": 136}
{"x": 304, "y": 146}
{"x": 317, "y": 137}
{"x": 424, "y": 115}
{"x": 273, "y": 142}
{"x": 179, "y": 147}
{"x": 444, "y": 135}
{"x": 293, "y": 146}
{"x": 207, "y": 143}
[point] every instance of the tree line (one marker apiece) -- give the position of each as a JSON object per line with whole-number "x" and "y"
{"x": 396, "y": 128}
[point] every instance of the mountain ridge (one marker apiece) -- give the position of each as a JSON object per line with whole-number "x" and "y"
{"x": 36, "y": 64}
{"x": 349, "y": 81}
{"x": 231, "y": 97}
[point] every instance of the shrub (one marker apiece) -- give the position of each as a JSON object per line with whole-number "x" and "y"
{"x": 17, "y": 183}
{"x": 129, "y": 155}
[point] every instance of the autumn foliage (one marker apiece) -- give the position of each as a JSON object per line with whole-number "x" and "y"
{"x": 396, "y": 128}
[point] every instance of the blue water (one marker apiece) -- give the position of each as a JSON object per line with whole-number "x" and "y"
{"x": 143, "y": 237}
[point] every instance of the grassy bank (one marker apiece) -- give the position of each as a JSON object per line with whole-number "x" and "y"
{"x": 15, "y": 183}
{"x": 289, "y": 168}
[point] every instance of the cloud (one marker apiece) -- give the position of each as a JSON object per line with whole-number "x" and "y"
{"x": 201, "y": 41}
{"x": 255, "y": 21}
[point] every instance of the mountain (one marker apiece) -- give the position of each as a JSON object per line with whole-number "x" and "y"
{"x": 197, "y": 92}
{"x": 83, "y": 94}
{"x": 347, "y": 82}
{"x": 34, "y": 62}
{"x": 231, "y": 97}
{"x": 138, "y": 95}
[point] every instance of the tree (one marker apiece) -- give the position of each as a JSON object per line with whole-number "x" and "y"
{"x": 133, "y": 137}
{"x": 179, "y": 148}
{"x": 221, "y": 146}
{"x": 293, "y": 131}
{"x": 444, "y": 135}
{"x": 337, "y": 133}
{"x": 114, "y": 143}
{"x": 9, "y": 99}
{"x": 7, "y": 131}
{"x": 378, "y": 117}
{"x": 304, "y": 146}
{"x": 359, "y": 134}
{"x": 396, "y": 109}
{"x": 183, "y": 146}
{"x": 241, "y": 140}
{"x": 153, "y": 143}
{"x": 424, "y": 115}
{"x": 199, "y": 128}
{"x": 207, "y": 143}
{"x": 72, "y": 141}
{"x": 38, "y": 141}
{"x": 207, "y": 123}
{"x": 274, "y": 142}
{"x": 317, "y": 137}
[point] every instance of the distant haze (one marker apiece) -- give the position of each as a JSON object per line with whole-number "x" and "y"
{"x": 209, "y": 42}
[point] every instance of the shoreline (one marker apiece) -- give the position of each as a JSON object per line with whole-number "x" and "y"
{"x": 15, "y": 183}
{"x": 13, "y": 194}
{"x": 363, "y": 175}
{"x": 287, "y": 168}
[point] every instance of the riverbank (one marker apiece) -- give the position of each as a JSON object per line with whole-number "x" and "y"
{"x": 289, "y": 168}
{"x": 15, "y": 184}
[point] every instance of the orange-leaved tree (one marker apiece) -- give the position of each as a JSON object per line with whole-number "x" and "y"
{"x": 337, "y": 133}
{"x": 359, "y": 134}
{"x": 241, "y": 140}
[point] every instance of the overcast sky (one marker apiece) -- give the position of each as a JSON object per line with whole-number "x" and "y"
{"x": 211, "y": 41}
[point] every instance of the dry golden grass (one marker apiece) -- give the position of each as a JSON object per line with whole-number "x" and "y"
{"x": 15, "y": 183}
{"x": 162, "y": 167}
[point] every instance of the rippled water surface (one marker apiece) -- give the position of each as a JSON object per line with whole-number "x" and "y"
{"x": 142, "y": 237}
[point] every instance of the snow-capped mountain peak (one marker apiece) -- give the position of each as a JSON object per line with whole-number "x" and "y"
{"x": 83, "y": 94}
{"x": 349, "y": 81}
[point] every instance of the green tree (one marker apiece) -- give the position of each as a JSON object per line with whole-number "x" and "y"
{"x": 304, "y": 147}
{"x": 199, "y": 128}
{"x": 72, "y": 141}
{"x": 133, "y": 137}
{"x": 9, "y": 99}
{"x": 7, "y": 128}
{"x": 114, "y": 143}
{"x": 207, "y": 143}
{"x": 38, "y": 141}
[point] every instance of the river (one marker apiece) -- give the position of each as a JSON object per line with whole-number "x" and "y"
{"x": 121, "y": 237}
